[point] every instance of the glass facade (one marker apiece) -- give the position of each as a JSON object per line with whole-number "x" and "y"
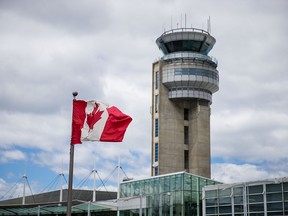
{"x": 171, "y": 194}
{"x": 262, "y": 198}
{"x": 197, "y": 72}
{"x": 187, "y": 45}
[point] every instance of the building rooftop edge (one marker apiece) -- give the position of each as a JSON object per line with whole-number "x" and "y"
{"x": 248, "y": 183}
{"x": 169, "y": 174}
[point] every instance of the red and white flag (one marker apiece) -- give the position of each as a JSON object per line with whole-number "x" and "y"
{"x": 96, "y": 121}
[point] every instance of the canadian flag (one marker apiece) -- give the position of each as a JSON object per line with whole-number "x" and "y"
{"x": 96, "y": 121}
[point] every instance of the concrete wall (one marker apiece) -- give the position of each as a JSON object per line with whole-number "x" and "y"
{"x": 171, "y": 132}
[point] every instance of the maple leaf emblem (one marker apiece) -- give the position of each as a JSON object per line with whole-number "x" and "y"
{"x": 94, "y": 116}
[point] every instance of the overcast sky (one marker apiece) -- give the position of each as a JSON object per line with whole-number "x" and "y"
{"x": 105, "y": 50}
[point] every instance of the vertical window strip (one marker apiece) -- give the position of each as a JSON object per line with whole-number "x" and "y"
{"x": 156, "y": 171}
{"x": 156, "y": 80}
{"x": 186, "y": 135}
{"x": 156, "y": 152}
{"x": 156, "y": 127}
{"x": 186, "y": 114}
{"x": 186, "y": 159}
{"x": 156, "y": 103}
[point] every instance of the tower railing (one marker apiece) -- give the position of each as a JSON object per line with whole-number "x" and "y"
{"x": 185, "y": 30}
{"x": 190, "y": 55}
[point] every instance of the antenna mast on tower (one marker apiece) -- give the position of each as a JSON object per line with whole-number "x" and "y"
{"x": 209, "y": 25}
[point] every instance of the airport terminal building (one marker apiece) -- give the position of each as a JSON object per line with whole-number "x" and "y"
{"x": 170, "y": 194}
{"x": 257, "y": 198}
{"x": 179, "y": 193}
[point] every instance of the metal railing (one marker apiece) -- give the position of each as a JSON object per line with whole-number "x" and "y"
{"x": 185, "y": 30}
{"x": 190, "y": 55}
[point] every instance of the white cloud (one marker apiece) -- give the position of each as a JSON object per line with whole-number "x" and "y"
{"x": 250, "y": 135}
{"x": 10, "y": 155}
{"x": 234, "y": 173}
{"x": 33, "y": 130}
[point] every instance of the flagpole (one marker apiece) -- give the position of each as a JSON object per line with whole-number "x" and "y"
{"x": 71, "y": 164}
{"x": 118, "y": 185}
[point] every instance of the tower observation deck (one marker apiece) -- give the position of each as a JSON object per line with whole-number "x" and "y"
{"x": 184, "y": 80}
{"x": 190, "y": 72}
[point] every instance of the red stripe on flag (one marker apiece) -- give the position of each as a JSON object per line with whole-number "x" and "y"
{"x": 115, "y": 126}
{"x": 78, "y": 118}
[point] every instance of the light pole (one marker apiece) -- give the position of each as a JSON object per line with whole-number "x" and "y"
{"x": 140, "y": 210}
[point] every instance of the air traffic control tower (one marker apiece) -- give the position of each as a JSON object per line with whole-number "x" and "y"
{"x": 184, "y": 80}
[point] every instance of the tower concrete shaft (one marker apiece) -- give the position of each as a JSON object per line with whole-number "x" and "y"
{"x": 184, "y": 80}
